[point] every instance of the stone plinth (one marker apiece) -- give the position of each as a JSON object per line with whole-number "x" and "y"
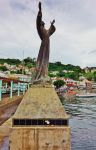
{"x": 40, "y": 122}
{"x": 41, "y": 138}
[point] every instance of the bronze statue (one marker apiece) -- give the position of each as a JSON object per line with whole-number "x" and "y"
{"x": 41, "y": 71}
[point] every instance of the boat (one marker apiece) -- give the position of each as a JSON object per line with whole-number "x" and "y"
{"x": 86, "y": 95}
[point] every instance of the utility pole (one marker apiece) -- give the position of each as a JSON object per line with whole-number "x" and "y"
{"x": 23, "y": 63}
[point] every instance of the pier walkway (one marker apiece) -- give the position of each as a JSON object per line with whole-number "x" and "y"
{"x": 8, "y": 107}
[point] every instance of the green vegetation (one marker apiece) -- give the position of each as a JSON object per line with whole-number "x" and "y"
{"x": 58, "y": 83}
{"x": 3, "y": 68}
{"x": 29, "y": 62}
{"x": 58, "y": 66}
{"x": 94, "y": 76}
{"x": 16, "y": 72}
{"x": 10, "y": 61}
{"x": 72, "y": 75}
{"x": 89, "y": 76}
{"x": 67, "y": 71}
{"x": 51, "y": 75}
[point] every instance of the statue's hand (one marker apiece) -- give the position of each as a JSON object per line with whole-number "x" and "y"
{"x": 53, "y": 22}
{"x": 39, "y": 6}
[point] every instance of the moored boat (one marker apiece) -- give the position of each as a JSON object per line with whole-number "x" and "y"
{"x": 86, "y": 95}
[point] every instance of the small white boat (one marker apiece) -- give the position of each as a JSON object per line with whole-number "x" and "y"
{"x": 86, "y": 95}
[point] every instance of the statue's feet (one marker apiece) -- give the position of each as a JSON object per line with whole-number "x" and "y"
{"x": 43, "y": 80}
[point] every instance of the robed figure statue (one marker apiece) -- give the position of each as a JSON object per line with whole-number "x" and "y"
{"x": 41, "y": 71}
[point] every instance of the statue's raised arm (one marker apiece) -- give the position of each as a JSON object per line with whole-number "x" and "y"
{"x": 52, "y": 28}
{"x": 39, "y": 6}
{"x": 39, "y": 20}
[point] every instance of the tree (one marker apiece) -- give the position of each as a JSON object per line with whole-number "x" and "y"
{"x": 19, "y": 71}
{"x": 3, "y": 68}
{"x": 89, "y": 76}
{"x": 10, "y": 61}
{"x": 61, "y": 74}
{"x": 72, "y": 75}
{"x": 58, "y": 83}
{"x": 51, "y": 75}
{"x": 58, "y": 63}
{"x": 29, "y": 61}
{"x": 29, "y": 65}
{"x": 94, "y": 76}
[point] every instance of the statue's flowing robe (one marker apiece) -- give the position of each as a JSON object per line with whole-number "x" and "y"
{"x": 43, "y": 56}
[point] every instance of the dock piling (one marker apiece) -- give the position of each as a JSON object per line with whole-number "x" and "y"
{"x": 0, "y": 90}
{"x": 11, "y": 89}
{"x": 18, "y": 88}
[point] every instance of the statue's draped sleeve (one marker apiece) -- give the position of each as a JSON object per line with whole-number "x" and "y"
{"x": 51, "y": 29}
{"x": 39, "y": 24}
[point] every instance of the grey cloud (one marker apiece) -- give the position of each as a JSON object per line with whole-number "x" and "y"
{"x": 17, "y": 6}
{"x": 92, "y": 51}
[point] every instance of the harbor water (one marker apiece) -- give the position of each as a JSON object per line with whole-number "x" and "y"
{"x": 82, "y": 122}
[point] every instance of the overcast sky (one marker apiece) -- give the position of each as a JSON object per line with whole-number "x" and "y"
{"x": 74, "y": 41}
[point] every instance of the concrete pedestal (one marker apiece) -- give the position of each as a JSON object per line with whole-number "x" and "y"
{"x": 40, "y": 122}
{"x": 46, "y": 138}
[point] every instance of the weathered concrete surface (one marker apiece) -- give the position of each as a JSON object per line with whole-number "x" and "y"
{"x": 40, "y": 102}
{"x": 41, "y": 138}
{"x": 5, "y": 130}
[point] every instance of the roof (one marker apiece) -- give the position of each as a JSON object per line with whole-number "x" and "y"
{"x": 8, "y": 80}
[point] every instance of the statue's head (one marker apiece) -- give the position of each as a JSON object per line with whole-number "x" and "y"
{"x": 43, "y": 24}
